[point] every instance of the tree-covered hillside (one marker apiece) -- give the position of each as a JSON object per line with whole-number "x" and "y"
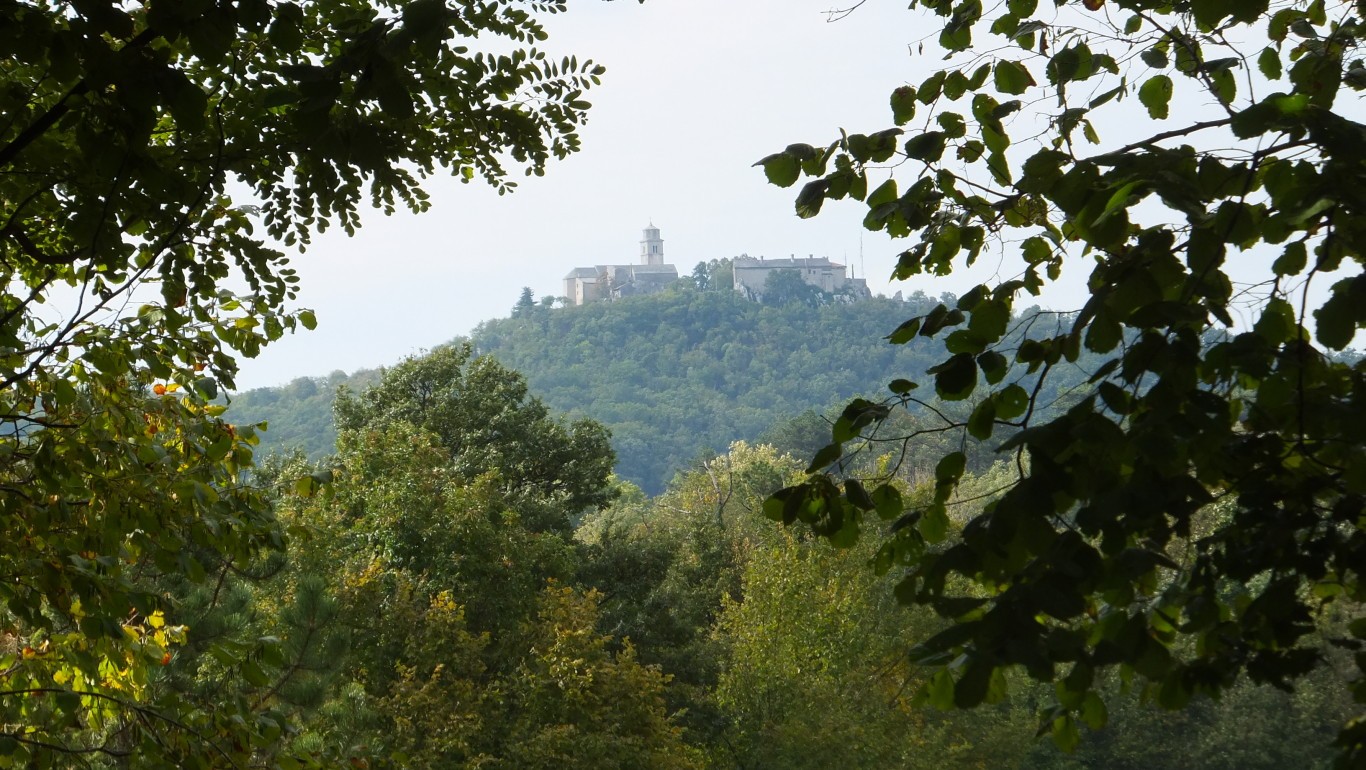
{"x": 687, "y": 372}
{"x": 673, "y": 375}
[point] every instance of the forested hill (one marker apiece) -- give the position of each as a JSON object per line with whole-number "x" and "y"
{"x": 673, "y": 375}
{"x": 677, "y": 374}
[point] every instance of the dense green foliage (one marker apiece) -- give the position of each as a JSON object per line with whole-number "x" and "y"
{"x": 431, "y": 614}
{"x": 686, "y": 372}
{"x": 723, "y": 369}
{"x": 716, "y": 368}
{"x": 673, "y": 376}
{"x": 132, "y": 280}
{"x": 469, "y": 645}
{"x": 298, "y": 415}
{"x": 1199, "y": 514}
{"x": 787, "y": 652}
{"x": 460, "y": 584}
{"x": 481, "y": 414}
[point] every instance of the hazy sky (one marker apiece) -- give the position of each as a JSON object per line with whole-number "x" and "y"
{"x": 696, "y": 91}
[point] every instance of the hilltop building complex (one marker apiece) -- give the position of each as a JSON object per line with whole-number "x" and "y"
{"x": 587, "y": 284}
{"x": 652, "y": 274}
{"x": 751, "y": 275}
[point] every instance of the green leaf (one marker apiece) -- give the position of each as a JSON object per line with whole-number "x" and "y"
{"x": 1011, "y": 402}
{"x": 1012, "y": 78}
{"x": 811, "y": 197}
{"x": 955, "y": 379}
{"x": 1225, "y": 85}
{"x": 828, "y": 454}
{"x": 1269, "y": 62}
{"x": 1209, "y": 13}
{"x": 903, "y": 105}
{"x": 1107, "y": 96}
{"x": 1156, "y": 94}
{"x": 305, "y": 486}
{"x": 1065, "y": 734}
{"x": 888, "y": 502}
{"x": 928, "y": 147}
{"x": 254, "y": 674}
{"x": 931, "y": 88}
{"x": 983, "y": 420}
{"x": 781, "y": 169}
{"x": 971, "y": 688}
{"x": 1318, "y": 77}
{"x": 1338, "y": 319}
{"x": 994, "y": 366}
{"x": 939, "y": 690}
{"x": 884, "y": 194}
{"x": 208, "y": 386}
{"x": 934, "y": 524}
{"x": 901, "y": 386}
{"x": 1292, "y": 261}
{"x": 950, "y": 468}
{"x": 855, "y": 493}
{"x": 953, "y": 124}
{"x": 1155, "y": 57}
{"x": 905, "y": 332}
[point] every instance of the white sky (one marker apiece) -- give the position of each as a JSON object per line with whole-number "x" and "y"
{"x": 696, "y": 91}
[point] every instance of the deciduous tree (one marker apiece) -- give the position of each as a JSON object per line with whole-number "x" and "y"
{"x": 481, "y": 412}
{"x": 1202, "y": 162}
{"x": 152, "y": 156}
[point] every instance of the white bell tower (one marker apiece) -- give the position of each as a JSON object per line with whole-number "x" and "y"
{"x": 652, "y": 247}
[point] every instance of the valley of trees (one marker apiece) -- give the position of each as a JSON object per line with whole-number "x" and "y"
{"x": 1136, "y": 529}
{"x": 470, "y": 587}
{"x": 768, "y": 649}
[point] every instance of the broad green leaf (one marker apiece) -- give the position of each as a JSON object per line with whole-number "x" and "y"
{"x": 826, "y": 456}
{"x": 955, "y": 379}
{"x": 1155, "y": 57}
{"x": 903, "y": 105}
{"x": 781, "y": 169}
{"x": 1269, "y": 62}
{"x": 927, "y": 147}
{"x": 1012, "y": 77}
{"x": 934, "y": 524}
{"x": 1156, "y": 94}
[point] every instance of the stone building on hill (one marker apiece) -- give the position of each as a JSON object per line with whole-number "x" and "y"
{"x": 589, "y": 284}
{"x": 751, "y": 275}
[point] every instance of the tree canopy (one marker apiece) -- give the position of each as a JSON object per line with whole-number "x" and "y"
{"x": 481, "y": 413}
{"x": 154, "y": 157}
{"x": 1199, "y": 514}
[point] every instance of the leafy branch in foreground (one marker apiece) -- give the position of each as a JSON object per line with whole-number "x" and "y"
{"x": 1194, "y": 518}
{"x": 126, "y": 125}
